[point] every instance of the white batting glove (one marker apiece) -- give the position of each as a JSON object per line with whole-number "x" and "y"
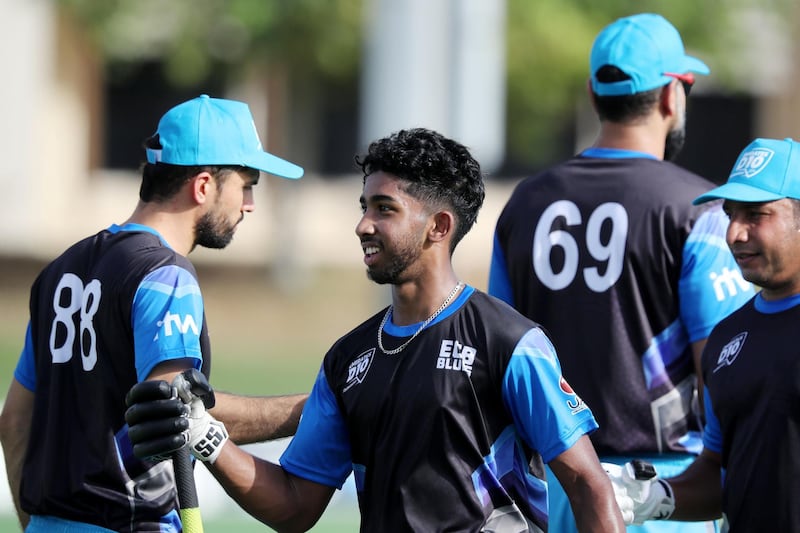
{"x": 640, "y": 494}
{"x": 206, "y": 435}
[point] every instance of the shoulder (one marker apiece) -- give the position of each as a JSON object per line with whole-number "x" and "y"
{"x": 675, "y": 176}
{"x": 495, "y": 315}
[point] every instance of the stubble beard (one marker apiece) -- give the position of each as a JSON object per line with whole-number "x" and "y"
{"x": 213, "y": 232}
{"x": 395, "y": 272}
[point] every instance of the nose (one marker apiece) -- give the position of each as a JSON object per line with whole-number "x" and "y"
{"x": 365, "y": 226}
{"x": 248, "y": 201}
{"x": 737, "y": 231}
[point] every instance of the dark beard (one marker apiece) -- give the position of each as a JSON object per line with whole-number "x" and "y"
{"x": 393, "y": 273}
{"x": 674, "y": 144}
{"x": 210, "y": 232}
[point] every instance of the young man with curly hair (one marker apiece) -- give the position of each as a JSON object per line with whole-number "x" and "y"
{"x": 443, "y": 405}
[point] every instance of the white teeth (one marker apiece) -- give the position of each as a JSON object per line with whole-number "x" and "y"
{"x": 369, "y": 250}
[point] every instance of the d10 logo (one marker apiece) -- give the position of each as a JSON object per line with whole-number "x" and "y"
{"x": 752, "y": 162}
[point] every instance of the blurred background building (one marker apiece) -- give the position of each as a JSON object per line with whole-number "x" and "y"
{"x": 87, "y": 81}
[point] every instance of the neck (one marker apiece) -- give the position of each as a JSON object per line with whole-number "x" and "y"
{"x": 170, "y": 224}
{"x": 413, "y": 303}
{"x": 641, "y": 137}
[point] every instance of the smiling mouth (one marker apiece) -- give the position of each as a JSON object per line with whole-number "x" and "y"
{"x": 371, "y": 250}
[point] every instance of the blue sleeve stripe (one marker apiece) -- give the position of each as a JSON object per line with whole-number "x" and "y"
{"x": 711, "y": 285}
{"x": 178, "y": 292}
{"x": 325, "y": 461}
{"x": 499, "y": 282}
{"x": 167, "y": 319}
{"x": 712, "y": 435}
{"x": 548, "y": 414}
{"x": 173, "y": 280}
{"x": 25, "y": 372}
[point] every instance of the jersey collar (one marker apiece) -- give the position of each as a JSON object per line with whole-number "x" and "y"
{"x": 615, "y": 153}
{"x": 130, "y": 226}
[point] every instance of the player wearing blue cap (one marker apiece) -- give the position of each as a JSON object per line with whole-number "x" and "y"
{"x": 606, "y": 251}
{"x": 124, "y": 306}
{"x": 443, "y": 405}
{"x": 750, "y": 466}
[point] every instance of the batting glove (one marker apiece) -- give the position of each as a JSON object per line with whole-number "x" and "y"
{"x": 206, "y": 435}
{"x": 640, "y": 494}
{"x": 157, "y": 420}
{"x": 162, "y": 418}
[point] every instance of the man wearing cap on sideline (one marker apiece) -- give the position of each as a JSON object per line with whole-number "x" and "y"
{"x": 607, "y": 252}
{"x": 124, "y": 306}
{"x": 750, "y": 466}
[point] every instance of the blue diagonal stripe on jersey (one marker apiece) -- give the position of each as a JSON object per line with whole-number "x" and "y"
{"x": 506, "y": 470}
{"x": 665, "y": 349}
{"x": 172, "y": 280}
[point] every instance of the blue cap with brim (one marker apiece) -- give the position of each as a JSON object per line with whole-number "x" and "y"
{"x": 766, "y": 170}
{"x": 645, "y": 47}
{"x": 215, "y": 132}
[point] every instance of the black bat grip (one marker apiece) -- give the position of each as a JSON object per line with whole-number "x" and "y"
{"x": 184, "y": 478}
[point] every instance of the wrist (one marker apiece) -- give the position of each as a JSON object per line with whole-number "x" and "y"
{"x": 663, "y": 498}
{"x": 207, "y": 444}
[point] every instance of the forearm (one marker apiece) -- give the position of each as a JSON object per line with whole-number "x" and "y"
{"x": 590, "y": 492}
{"x": 698, "y": 490}
{"x": 15, "y": 424}
{"x": 256, "y": 418}
{"x": 14, "y": 453}
{"x": 595, "y": 510}
{"x": 269, "y": 493}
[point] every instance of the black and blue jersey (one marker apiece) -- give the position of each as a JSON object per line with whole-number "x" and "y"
{"x": 102, "y": 316}
{"x": 450, "y": 433}
{"x": 608, "y": 254}
{"x": 751, "y": 369}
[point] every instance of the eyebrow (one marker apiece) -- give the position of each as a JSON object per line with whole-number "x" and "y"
{"x": 378, "y": 198}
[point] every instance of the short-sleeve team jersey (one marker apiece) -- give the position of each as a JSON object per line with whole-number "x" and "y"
{"x": 751, "y": 368}
{"x": 450, "y": 433}
{"x": 608, "y": 254}
{"x": 102, "y": 316}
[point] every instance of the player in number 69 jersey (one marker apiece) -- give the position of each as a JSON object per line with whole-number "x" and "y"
{"x": 607, "y": 252}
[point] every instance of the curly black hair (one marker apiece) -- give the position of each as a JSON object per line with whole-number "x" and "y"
{"x": 440, "y": 172}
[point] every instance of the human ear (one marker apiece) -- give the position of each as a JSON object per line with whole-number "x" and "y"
{"x": 443, "y": 224}
{"x": 668, "y": 99}
{"x": 202, "y": 185}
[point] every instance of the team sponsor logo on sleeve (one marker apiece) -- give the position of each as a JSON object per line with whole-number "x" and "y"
{"x": 574, "y": 402}
{"x": 358, "y": 369}
{"x": 456, "y": 356}
{"x": 173, "y": 324}
{"x": 731, "y": 351}
{"x": 728, "y": 283}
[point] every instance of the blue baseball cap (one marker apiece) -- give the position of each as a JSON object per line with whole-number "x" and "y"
{"x": 645, "y": 47}
{"x": 215, "y": 132}
{"x": 766, "y": 170}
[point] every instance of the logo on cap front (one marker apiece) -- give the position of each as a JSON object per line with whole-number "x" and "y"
{"x": 752, "y": 162}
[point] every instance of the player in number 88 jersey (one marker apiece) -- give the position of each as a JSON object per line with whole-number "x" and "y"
{"x": 123, "y": 306}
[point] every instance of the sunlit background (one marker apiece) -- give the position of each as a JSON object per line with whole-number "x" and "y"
{"x": 86, "y": 81}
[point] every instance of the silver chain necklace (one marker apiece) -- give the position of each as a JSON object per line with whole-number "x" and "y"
{"x": 422, "y": 326}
